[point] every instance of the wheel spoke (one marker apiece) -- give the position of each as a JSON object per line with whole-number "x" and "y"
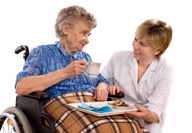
{"x": 14, "y": 116}
{"x": 6, "y": 128}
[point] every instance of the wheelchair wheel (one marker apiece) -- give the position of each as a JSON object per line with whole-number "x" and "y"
{"x": 14, "y": 120}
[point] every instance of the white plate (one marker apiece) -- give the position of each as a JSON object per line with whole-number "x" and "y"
{"x": 96, "y": 105}
{"x": 123, "y": 107}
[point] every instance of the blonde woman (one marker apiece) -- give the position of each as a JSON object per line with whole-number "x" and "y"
{"x": 143, "y": 75}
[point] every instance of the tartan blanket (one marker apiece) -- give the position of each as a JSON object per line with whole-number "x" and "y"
{"x": 69, "y": 120}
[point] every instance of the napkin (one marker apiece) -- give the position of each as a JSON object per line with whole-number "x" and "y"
{"x": 104, "y": 109}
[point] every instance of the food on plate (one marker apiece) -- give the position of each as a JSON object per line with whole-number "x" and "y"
{"x": 120, "y": 103}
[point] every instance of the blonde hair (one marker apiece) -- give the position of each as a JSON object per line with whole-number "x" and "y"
{"x": 69, "y": 15}
{"x": 158, "y": 34}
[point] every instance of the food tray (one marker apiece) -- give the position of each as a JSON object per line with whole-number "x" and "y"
{"x": 116, "y": 111}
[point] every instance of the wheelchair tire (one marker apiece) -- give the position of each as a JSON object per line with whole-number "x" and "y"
{"x": 21, "y": 120}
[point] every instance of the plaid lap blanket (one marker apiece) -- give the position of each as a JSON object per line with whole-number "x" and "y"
{"x": 69, "y": 120}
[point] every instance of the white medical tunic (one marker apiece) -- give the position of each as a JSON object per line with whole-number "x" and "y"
{"x": 153, "y": 89}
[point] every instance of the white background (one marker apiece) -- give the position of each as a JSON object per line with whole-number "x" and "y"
{"x": 32, "y": 23}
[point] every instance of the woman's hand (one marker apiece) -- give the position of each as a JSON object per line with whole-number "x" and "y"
{"x": 114, "y": 89}
{"x": 143, "y": 113}
{"x": 75, "y": 68}
{"x": 101, "y": 93}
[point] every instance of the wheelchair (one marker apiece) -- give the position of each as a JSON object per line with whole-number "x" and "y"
{"x": 28, "y": 115}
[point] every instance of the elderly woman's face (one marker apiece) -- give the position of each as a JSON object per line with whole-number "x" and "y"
{"x": 77, "y": 36}
{"x": 142, "y": 51}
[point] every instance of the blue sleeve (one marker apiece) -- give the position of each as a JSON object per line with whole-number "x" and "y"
{"x": 88, "y": 57}
{"x": 102, "y": 79}
{"x": 31, "y": 66}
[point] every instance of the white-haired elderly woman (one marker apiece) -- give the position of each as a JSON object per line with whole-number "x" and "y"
{"x": 59, "y": 69}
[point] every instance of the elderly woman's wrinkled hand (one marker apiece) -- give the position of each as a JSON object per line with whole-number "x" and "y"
{"x": 101, "y": 94}
{"x": 75, "y": 68}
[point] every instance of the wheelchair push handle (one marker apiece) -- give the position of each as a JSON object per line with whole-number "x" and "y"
{"x": 21, "y": 48}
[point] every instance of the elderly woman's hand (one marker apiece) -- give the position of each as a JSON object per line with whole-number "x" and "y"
{"x": 75, "y": 68}
{"x": 101, "y": 94}
{"x": 114, "y": 89}
{"x": 143, "y": 113}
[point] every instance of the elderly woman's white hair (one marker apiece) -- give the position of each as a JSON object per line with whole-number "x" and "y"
{"x": 69, "y": 15}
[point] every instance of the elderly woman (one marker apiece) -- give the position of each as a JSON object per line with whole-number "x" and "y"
{"x": 143, "y": 75}
{"x": 59, "y": 69}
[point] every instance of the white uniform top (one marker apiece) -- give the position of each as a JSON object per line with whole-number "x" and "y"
{"x": 151, "y": 92}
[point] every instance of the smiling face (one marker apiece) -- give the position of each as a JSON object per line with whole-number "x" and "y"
{"x": 76, "y": 36}
{"x": 142, "y": 51}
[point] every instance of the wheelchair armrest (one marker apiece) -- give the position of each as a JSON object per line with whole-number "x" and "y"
{"x": 117, "y": 95}
{"x": 44, "y": 95}
{"x": 33, "y": 108}
{"x": 39, "y": 95}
